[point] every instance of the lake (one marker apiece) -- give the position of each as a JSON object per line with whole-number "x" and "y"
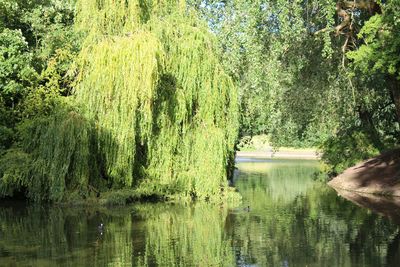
{"x": 286, "y": 218}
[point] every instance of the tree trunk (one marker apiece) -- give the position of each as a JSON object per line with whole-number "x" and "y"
{"x": 369, "y": 128}
{"x": 394, "y": 87}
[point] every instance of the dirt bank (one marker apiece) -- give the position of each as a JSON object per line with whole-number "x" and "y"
{"x": 379, "y": 175}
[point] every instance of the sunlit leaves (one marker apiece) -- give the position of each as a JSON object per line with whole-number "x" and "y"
{"x": 152, "y": 108}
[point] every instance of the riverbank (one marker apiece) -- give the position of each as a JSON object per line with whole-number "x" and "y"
{"x": 123, "y": 197}
{"x": 379, "y": 175}
{"x": 281, "y": 154}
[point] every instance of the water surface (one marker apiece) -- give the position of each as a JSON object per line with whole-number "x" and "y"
{"x": 292, "y": 220}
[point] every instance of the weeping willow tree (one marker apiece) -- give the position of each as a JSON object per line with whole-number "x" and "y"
{"x": 152, "y": 109}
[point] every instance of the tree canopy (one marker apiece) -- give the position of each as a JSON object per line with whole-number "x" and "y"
{"x": 142, "y": 103}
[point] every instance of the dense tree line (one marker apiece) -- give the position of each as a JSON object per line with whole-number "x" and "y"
{"x": 319, "y": 73}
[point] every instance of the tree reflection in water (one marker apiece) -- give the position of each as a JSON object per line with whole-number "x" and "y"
{"x": 292, "y": 221}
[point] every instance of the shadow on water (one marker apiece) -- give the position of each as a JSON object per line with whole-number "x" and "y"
{"x": 384, "y": 205}
{"x": 291, "y": 221}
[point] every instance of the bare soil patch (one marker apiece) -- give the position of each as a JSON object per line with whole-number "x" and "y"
{"x": 379, "y": 175}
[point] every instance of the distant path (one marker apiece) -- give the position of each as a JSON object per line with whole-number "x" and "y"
{"x": 281, "y": 154}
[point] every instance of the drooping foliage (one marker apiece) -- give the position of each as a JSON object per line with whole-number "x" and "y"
{"x": 152, "y": 110}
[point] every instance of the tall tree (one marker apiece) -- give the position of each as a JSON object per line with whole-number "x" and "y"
{"x": 152, "y": 110}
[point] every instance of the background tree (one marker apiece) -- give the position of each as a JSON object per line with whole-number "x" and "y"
{"x": 313, "y": 73}
{"x": 37, "y": 44}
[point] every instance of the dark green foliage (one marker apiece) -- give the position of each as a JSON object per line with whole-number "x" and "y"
{"x": 31, "y": 34}
{"x": 346, "y": 149}
{"x": 16, "y": 72}
{"x": 6, "y": 131}
{"x": 380, "y": 53}
{"x": 14, "y": 172}
{"x": 37, "y": 45}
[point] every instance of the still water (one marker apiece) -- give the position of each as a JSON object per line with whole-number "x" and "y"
{"x": 292, "y": 220}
